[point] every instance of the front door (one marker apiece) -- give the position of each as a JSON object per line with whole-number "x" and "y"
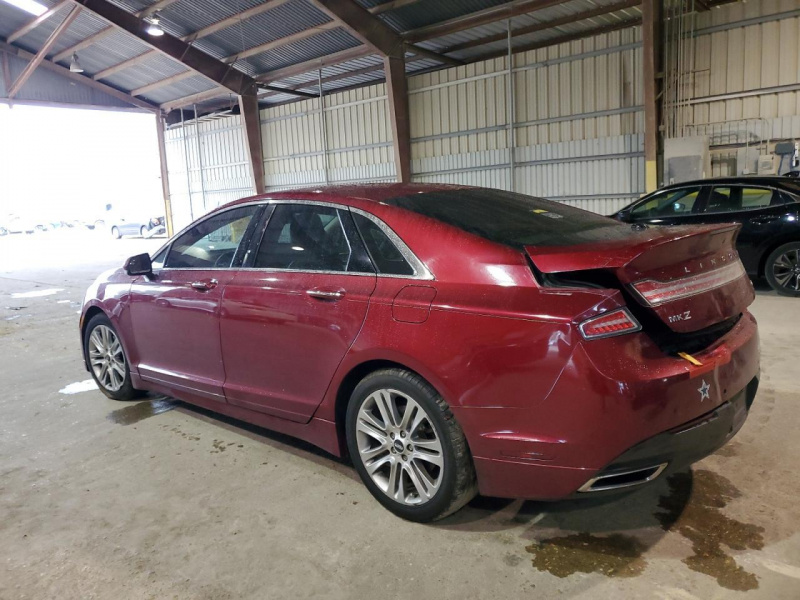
{"x": 175, "y": 313}
{"x": 288, "y": 321}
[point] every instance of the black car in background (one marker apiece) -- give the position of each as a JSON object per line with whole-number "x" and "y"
{"x": 767, "y": 207}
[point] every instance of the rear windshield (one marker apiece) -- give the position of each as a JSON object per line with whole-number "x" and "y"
{"x": 513, "y": 219}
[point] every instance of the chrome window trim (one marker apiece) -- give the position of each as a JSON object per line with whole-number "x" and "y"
{"x": 421, "y": 272}
{"x": 419, "y": 268}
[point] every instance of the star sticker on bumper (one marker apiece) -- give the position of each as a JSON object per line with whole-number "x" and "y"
{"x": 704, "y": 390}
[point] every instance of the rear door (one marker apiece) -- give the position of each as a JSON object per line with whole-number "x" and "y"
{"x": 759, "y": 209}
{"x": 290, "y": 315}
{"x": 675, "y": 206}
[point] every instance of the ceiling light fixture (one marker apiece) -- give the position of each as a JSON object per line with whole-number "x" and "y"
{"x": 74, "y": 65}
{"x": 154, "y": 26}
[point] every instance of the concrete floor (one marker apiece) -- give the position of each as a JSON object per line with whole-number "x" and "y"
{"x": 155, "y": 499}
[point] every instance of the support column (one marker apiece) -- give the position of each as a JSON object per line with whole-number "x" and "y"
{"x": 397, "y": 90}
{"x": 162, "y": 156}
{"x": 251, "y": 121}
{"x": 650, "y": 63}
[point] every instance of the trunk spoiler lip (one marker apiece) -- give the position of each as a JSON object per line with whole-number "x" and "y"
{"x": 617, "y": 253}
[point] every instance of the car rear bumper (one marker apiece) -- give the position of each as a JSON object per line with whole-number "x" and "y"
{"x": 598, "y": 430}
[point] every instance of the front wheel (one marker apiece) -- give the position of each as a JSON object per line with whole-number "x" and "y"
{"x": 106, "y": 358}
{"x": 407, "y": 447}
{"x": 115, "y": 233}
{"x": 782, "y": 269}
{"x": 143, "y": 231}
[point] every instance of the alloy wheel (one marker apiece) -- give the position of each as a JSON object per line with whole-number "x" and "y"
{"x": 399, "y": 447}
{"x": 107, "y": 358}
{"x": 786, "y": 270}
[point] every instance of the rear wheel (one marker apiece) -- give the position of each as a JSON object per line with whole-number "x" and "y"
{"x": 407, "y": 447}
{"x": 782, "y": 269}
{"x": 115, "y": 233}
{"x": 143, "y": 231}
{"x": 106, "y": 358}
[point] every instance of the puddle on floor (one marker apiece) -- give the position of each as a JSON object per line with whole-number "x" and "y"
{"x": 615, "y": 555}
{"x": 711, "y": 533}
{"x": 140, "y": 411}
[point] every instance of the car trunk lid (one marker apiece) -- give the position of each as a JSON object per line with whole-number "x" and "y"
{"x": 689, "y": 277}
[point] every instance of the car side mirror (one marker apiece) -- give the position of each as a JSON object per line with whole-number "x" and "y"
{"x": 139, "y": 265}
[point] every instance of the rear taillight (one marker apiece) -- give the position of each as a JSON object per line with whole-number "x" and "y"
{"x": 615, "y": 322}
{"x": 659, "y": 292}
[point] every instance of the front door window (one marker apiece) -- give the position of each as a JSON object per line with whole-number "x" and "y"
{"x": 211, "y": 244}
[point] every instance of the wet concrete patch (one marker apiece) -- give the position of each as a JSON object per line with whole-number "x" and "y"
{"x": 701, "y": 522}
{"x": 615, "y": 555}
{"x": 140, "y": 411}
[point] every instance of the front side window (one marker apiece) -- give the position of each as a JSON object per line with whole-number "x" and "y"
{"x": 158, "y": 260}
{"x": 310, "y": 237}
{"x": 668, "y": 204}
{"x": 212, "y": 243}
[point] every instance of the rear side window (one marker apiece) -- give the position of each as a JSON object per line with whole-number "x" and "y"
{"x": 513, "y": 219}
{"x": 670, "y": 203}
{"x": 736, "y": 198}
{"x": 309, "y": 237}
{"x": 385, "y": 255}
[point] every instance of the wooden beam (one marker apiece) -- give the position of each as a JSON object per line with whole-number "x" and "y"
{"x": 216, "y": 92}
{"x": 475, "y": 19}
{"x": 42, "y": 53}
{"x": 397, "y": 91}
{"x": 85, "y": 43}
{"x": 145, "y": 89}
{"x": 124, "y": 65}
{"x": 251, "y": 123}
{"x": 545, "y": 25}
{"x": 154, "y": 8}
{"x": 370, "y": 30}
{"x": 233, "y": 20}
{"x": 162, "y": 159}
{"x": 283, "y": 41}
{"x": 420, "y": 51}
{"x": 78, "y": 78}
{"x": 649, "y": 63}
{"x": 175, "y": 48}
{"x": 33, "y": 24}
{"x": 315, "y": 63}
{"x": 391, "y": 5}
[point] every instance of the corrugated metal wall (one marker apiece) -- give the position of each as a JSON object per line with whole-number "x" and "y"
{"x": 358, "y": 139}
{"x": 577, "y": 121}
{"x": 744, "y": 51}
{"x": 208, "y": 166}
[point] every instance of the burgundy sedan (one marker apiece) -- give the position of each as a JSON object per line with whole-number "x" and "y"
{"x": 451, "y": 340}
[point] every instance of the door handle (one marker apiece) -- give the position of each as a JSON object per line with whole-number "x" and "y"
{"x": 325, "y": 295}
{"x": 204, "y": 286}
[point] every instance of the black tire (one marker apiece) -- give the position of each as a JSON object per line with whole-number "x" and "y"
{"x": 143, "y": 231}
{"x": 115, "y": 233}
{"x": 126, "y": 391}
{"x": 458, "y": 484}
{"x": 782, "y": 255}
